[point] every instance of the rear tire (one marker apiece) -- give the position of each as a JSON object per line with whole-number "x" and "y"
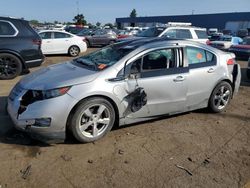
{"x": 220, "y": 97}
{"x": 10, "y": 66}
{"x": 74, "y": 51}
{"x": 92, "y": 119}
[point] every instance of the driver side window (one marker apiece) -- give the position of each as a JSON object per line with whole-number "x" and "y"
{"x": 156, "y": 62}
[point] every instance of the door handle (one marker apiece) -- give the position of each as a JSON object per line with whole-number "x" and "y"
{"x": 66, "y": 40}
{"x": 179, "y": 79}
{"x": 211, "y": 70}
{"x": 48, "y": 41}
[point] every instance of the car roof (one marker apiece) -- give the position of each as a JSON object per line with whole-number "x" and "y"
{"x": 147, "y": 43}
{"x": 9, "y": 18}
{"x": 181, "y": 26}
{"x": 51, "y": 30}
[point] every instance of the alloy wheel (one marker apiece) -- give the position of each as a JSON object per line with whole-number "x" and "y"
{"x": 222, "y": 97}
{"x": 74, "y": 51}
{"x": 9, "y": 66}
{"x": 94, "y": 120}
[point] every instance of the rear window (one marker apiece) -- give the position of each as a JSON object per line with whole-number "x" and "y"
{"x": 6, "y": 29}
{"x": 201, "y": 34}
{"x": 58, "y": 35}
{"x": 45, "y": 35}
{"x": 199, "y": 56}
{"x": 184, "y": 34}
{"x": 178, "y": 33}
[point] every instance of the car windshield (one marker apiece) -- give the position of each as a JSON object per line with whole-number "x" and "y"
{"x": 151, "y": 32}
{"x": 246, "y": 41}
{"x": 104, "y": 57}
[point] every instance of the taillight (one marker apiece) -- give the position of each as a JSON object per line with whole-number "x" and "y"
{"x": 230, "y": 61}
{"x": 208, "y": 42}
{"x": 37, "y": 42}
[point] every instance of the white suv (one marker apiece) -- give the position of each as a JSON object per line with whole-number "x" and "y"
{"x": 177, "y": 31}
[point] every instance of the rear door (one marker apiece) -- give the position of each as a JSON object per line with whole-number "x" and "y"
{"x": 162, "y": 77}
{"x": 62, "y": 42}
{"x": 203, "y": 75}
{"x": 47, "y": 42}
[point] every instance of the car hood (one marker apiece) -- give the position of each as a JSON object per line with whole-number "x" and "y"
{"x": 56, "y": 76}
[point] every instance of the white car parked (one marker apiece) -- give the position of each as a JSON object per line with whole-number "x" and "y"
{"x": 61, "y": 42}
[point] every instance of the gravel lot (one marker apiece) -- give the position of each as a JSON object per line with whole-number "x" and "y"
{"x": 213, "y": 149}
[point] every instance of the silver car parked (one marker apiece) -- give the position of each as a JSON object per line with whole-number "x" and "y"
{"x": 121, "y": 84}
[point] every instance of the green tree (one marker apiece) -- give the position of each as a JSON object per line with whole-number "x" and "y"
{"x": 79, "y": 19}
{"x": 34, "y": 22}
{"x": 110, "y": 25}
{"x": 133, "y": 14}
{"x": 98, "y": 24}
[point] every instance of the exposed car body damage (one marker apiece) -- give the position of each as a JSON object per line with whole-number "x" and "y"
{"x": 136, "y": 100}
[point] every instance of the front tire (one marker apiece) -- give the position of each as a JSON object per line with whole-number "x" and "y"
{"x": 220, "y": 97}
{"x": 10, "y": 66}
{"x": 92, "y": 119}
{"x": 74, "y": 51}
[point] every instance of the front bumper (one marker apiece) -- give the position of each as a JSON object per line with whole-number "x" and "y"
{"x": 57, "y": 109}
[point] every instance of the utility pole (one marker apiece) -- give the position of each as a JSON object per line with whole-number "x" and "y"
{"x": 192, "y": 12}
{"x": 77, "y": 5}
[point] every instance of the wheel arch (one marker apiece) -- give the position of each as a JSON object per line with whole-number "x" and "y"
{"x": 88, "y": 43}
{"x": 15, "y": 54}
{"x": 113, "y": 103}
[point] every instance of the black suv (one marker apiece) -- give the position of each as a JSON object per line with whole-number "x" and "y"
{"x": 20, "y": 47}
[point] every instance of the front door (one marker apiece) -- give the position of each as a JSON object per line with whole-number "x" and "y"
{"x": 163, "y": 79}
{"x": 47, "y": 44}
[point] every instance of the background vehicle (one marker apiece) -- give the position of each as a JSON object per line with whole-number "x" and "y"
{"x": 215, "y": 36}
{"x": 101, "y": 37}
{"x": 176, "y": 31}
{"x": 225, "y": 42}
{"x": 248, "y": 68}
{"x": 126, "y": 83}
{"x": 85, "y": 32}
{"x": 242, "y": 50}
{"x": 20, "y": 47}
{"x": 59, "y": 27}
{"x": 74, "y": 29}
{"x": 124, "y": 34}
{"x": 61, "y": 42}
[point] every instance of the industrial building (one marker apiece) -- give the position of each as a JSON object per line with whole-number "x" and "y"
{"x": 229, "y": 21}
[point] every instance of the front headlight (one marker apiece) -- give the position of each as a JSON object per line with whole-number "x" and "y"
{"x": 32, "y": 96}
{"x": 47, "y": 94}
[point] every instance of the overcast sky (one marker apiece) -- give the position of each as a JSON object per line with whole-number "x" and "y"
{"x": 106, "y": 11}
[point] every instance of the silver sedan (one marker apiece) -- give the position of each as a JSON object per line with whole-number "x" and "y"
{"x": 122, "y": 84}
